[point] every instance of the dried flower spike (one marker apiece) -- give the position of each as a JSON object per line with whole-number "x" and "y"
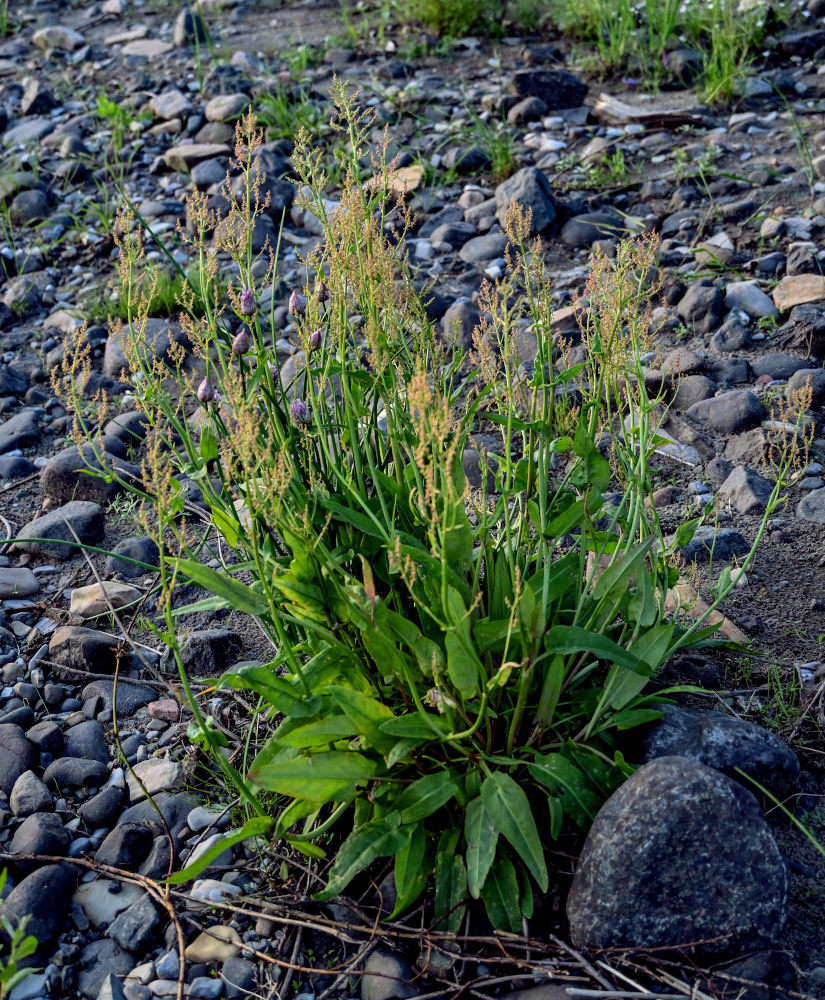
{"x": 248, "y": 304}
{"x": 299, "y": 411}
{"x": 297, "y": 304}
{"x": 205, "y": 392}
{"x": 242, "y": 341}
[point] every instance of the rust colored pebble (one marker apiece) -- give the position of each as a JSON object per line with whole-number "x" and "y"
{"x": 167, "y": 709}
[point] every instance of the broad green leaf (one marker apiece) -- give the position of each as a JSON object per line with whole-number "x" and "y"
{"x": 294, "y": 813}
{"x": 509, "y": 809}
{"x": 332, "y": 776}
{"x": 481, "y": 836}
{"x": 281, "y": 693}
{"x": 642, "y": 606}
{"x": 208, "y": 443}
{"x": 366, "y": 713}
{"x": 564, "y": 779}
{"x": 450, "y": 884}
{"x": 463, "y": 665}
{"x": 374, "y": 840}
{"x": 257, "y": 826}
{"x": 653, "y": 645}
{"x": 574, "y": 639}
{"x": 412, "y": 868}
{"x": 554, "y": 674}
{"x": 592, "y": 470}
{"x": 313, "y": 734}
{"x": 415, "y": 726}
{"x": 615, "y": 580}
{"x": 426, "y": 795}
{"x": 237, "y": 595}
{"x": 426, "y": 652}
{"x": 363, "y": 522}
{"x": 501, "y": 895}
{"x": 621, "y": 686}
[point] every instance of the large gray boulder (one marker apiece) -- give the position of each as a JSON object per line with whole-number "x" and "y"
{"x": 679, "y": 854}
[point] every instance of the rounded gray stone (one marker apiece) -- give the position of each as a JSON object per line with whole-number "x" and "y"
{"x": 679, "y": 854}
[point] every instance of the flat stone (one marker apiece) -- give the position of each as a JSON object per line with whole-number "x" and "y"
{"x": 678, "y": 854}
{"x": 171, "y": 104}
{"x": 157, "y": 775}
{"x": 226, "y": 107}
{"x": 77, "y": 521}
{"x": 483, "y": 248}
{"x": 184, "y": 157}
{"x": 17, "y": 582}
{"x": 57, "y": 36}
{"x": 100, "y": 598}
{"x": 749, "y": 297}
{"x": 102, "y": 900}
{"x": 798, "y": 289}
{"x": 148, "y": 48}
{"x": 222, "y": 942}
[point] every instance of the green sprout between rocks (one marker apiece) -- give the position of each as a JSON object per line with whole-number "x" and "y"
{"x": 455, "y": 665}
{"x": 16, "y": 946}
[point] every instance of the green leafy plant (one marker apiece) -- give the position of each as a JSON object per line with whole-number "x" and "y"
{"x": 454, "y": 665}
{"x": 18, "y": 946}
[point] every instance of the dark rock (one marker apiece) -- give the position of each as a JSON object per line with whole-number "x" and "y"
{"x": 78, "y": 521}
{"x": 87, "y": 649}
{"x": 584, "y": 230}
{"x": 802, "y": 43}
{"x": 130, "y": 697}
{"x": 813, "y": 377}
{"x": 207, "y": 652}
{"x": 724, "y": 544}
{"x": 47, "y": 737}
{"x": 778, "y": 366}
{"x": 746, "y": 491}
{"x": 802, "y": 260}
{"x": 701, "y": 308}
{"x": 98, "y": 960}
{"x": 529, "y": 188}
{"x": 692, "y": 389}
{"x": 14, "y": 467}
{"x": 102, "y": 809}
{"x": 142, "y": 549}
{"x": 458, "y": 324}
{"x": 20, "y": 431}
{"x": 72, "y": 475}
{"x": 239, "y": 976}
{"x": 386, "y": 976}
{"x": 87, "y": 740}
{"x": 40, "y": 833}
{"x": 37, "y": 99}
{"x": 137, "y": 928}
{"x": 731, "y": 412}
{"x": 679, "y": 854}
{"x": 685, "y": 65}
{"x": 190, "y": 29}
{"x": 732, "y": 335}
{"x": 483, "y": 248}
{"x": 527, "y": 110}
{"x": 126, "y": 846}
{"x": 29, "y": 207}
{"x": 174, "y": 808}
{"x": 17, "y": 756}
{"x": 43, "y": 897}
{"x": 454, "y": 233}
{"x": 30, "y": 795}
{"x": 557, "y": 88}
{"x": 73, "y": 772}
{"x": 726, "y": 744}
{"x": 727, "y": 372}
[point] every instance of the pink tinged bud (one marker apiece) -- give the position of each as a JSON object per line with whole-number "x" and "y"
{"x": 205, "y": 392}
{"x": 248, "y": 303}
{"x": 323, "y": 292}
{"x": 242, "y": 342}
{"x": 297, "y": 304}
{"x": 299, "y": 411}
{"x": 315, "y": 340}
{"x": 217, "y": 397}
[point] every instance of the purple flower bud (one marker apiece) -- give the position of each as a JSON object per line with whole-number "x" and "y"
{"x": 315, "y": 340}
{"x": 217, "y": 397}
{"x": 274, "y": 369}
{"x": 323, "y": 292}
{"x": 205, "y": 392}
{"x": 248, "y": 303}
{"x": 297, "y": 304}
{"x": 299, "y": 411}
{"x": 242, "y": 342}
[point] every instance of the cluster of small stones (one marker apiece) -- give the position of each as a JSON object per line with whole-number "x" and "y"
{"x": 728, "y": 347}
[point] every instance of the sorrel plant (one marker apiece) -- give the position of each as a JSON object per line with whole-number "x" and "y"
{"x": 452, "y": 665}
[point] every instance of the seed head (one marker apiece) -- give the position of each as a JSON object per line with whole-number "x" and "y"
{"x": 299, "y": 411}
{"x": 242, "y": 342}
{"x": 297, "y": 304}
{"x": 248, "y": 304}
{"x": 205, "y": 392}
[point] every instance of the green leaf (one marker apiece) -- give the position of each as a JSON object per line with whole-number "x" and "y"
{"x": 426, "y": 795}
{"x": 463, "y": 666}
{"x": 332, "y": 776}
{"x": 481, "y": 836}
{"x": 426, "y": 652}
{"x": 509, "y": 809}
{"x": 591, "y": 470}
{"x": 501, "y": 895}
{"x": 281, "y": 693}
{"x": 653, "y": 645}
{"x": 363, "y": 522}
{"x": 574, "y": 639}
{"x": 313, "y": 734}
{"x": 374, "y": 840}
{"x": 366, "y": 713}
{"x": 563, "y": 778}
{"x": 615, "y": 580}
{"x": 450, "y": 883}
{"x": 412, "y": 868}
{"x": 257, "y": 826}
{"x": 415, "y": 726}
{"x": 237, "y": 595}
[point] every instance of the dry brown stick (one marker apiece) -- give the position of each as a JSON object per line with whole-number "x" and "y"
{"x": 79, "y": 672}
{"x": 161, "y": 895}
